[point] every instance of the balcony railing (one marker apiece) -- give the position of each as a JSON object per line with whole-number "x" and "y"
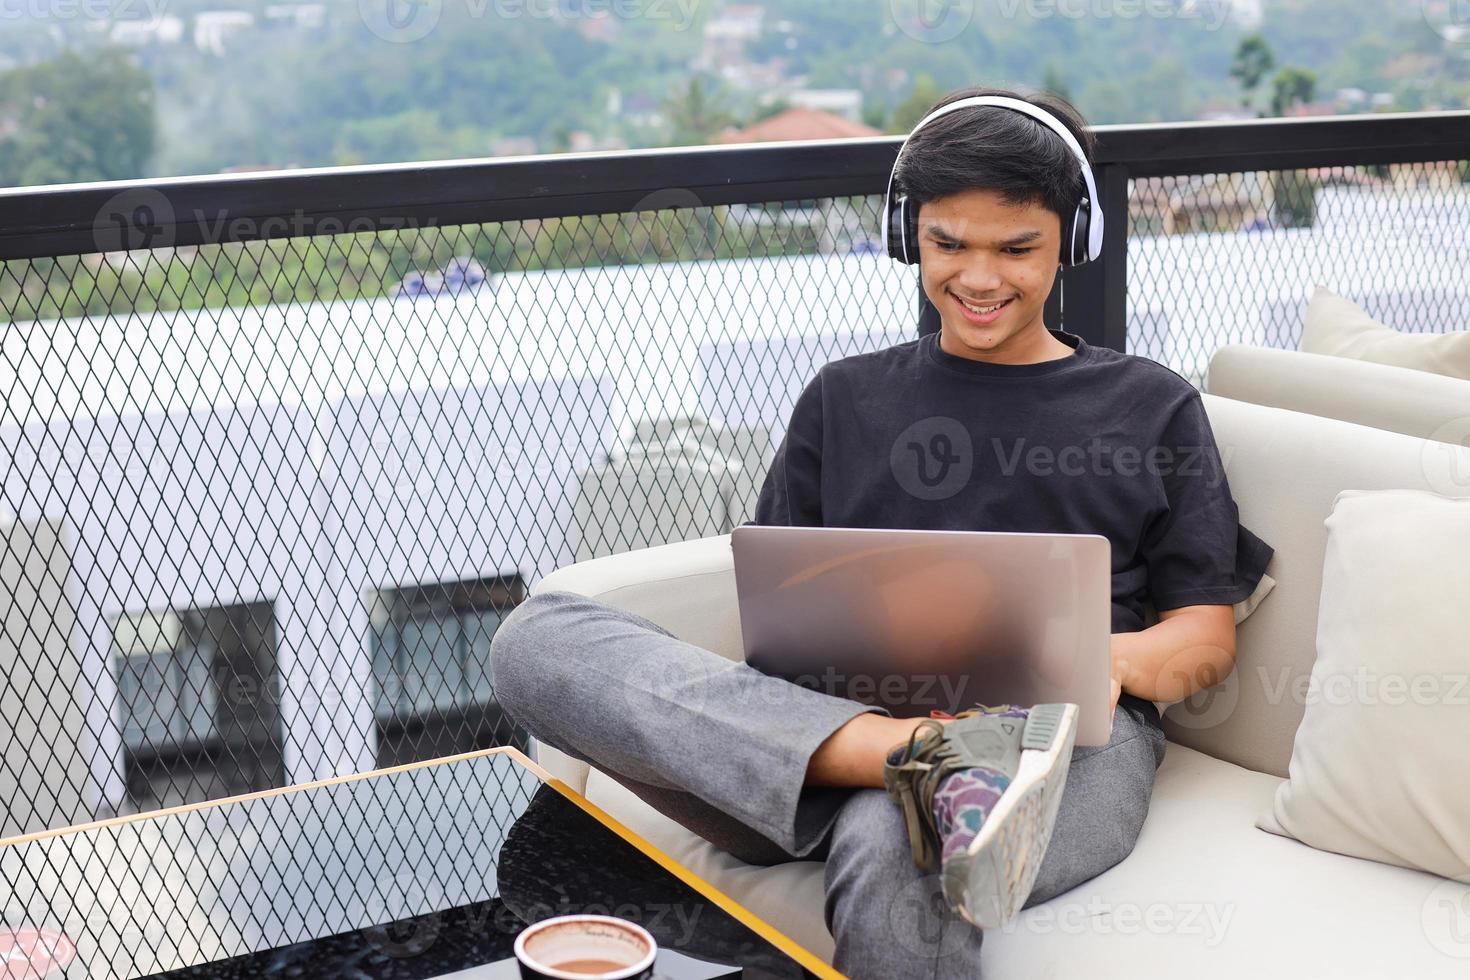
{"x": 377, "y": 404}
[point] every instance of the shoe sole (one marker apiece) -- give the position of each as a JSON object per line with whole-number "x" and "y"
{"x": 990, "y": 883}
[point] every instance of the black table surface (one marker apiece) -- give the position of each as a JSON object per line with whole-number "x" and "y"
{"x": 556, "y": 859}
{"x": 424, "y": 871}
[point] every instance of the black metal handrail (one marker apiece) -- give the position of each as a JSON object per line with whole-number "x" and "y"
{"x": 65, "y": 219}
{"x": 60, "y": 220}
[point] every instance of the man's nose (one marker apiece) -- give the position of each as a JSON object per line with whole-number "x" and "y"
{"x": 981, "y": 274}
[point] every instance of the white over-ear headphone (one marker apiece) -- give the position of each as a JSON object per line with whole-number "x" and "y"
{"x": 1081, "y": 236}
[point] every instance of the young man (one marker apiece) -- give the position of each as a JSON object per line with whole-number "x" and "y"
{"x": 1043, "y": 433}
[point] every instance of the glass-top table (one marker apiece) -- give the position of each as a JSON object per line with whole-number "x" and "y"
{"x": 422, "y": 871}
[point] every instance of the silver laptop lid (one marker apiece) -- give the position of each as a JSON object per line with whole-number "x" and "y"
{"x": 917, "y": 621}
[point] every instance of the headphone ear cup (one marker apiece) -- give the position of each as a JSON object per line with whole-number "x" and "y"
{"x": 911, "y": 240}
{"x": 1067, "y": 253}
{"x": 894, "y": 219}
{"x": 1081, "y": 224}
{"x": 902, "y": 232}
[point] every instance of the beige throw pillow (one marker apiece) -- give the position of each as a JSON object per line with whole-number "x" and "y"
{"x": 1341, "y": 328}
{"x": 1380, "y": 767}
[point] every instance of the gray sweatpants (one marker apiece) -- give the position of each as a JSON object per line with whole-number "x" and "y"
{"x": 723, "y": 749}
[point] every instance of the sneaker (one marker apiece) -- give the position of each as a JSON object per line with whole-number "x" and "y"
{"x": 980, "y": 797}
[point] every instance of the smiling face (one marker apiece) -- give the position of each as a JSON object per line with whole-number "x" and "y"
{"x": 988, "y": 267}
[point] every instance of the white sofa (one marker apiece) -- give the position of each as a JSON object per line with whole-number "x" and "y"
{"x": 1204, "y": 893}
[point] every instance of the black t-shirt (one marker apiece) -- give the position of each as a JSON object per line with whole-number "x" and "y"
{"x": 1096, "y": 442}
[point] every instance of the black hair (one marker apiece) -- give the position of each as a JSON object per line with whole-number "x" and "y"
{"x": 999, "y": 149}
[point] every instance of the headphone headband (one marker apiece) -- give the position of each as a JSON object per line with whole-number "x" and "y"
{"x": 1095, "y": 222}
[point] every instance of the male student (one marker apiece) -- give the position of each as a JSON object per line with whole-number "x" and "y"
{"x": 918, "y": 821}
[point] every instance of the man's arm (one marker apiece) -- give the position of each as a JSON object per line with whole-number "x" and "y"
{"x": 1189, "y": 649}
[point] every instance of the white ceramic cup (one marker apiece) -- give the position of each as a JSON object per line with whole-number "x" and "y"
{"x": 585, "y": 947}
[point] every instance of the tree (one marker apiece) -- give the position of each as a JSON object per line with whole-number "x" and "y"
{"x": 695, "y": 115}
{"x": 1052, "y": 81}
{"x": 1253, "y": 61}
{"x": 906, "y": 114}
{"x": 769, "y": 109}
{"x": 1291, "y": 86}
{"x": 79, "y": 117}
{"x": 875, "y": 114}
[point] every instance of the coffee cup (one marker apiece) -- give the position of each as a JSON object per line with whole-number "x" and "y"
{"x": 585, "y": 947}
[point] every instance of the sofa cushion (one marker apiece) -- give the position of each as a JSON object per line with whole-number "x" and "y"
{"x": 1203, "y": 886}
{"x": 1379, "y": 768}
{"x": 1342, "y": 328}
{"x": 1285, "y": 470}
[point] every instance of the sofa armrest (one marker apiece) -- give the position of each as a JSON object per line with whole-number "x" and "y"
{"x": 1397, "y": 399}
{"x": 688, "y": 588}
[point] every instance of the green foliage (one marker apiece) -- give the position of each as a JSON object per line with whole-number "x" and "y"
{"x": 696, "y": 115}
{"x": 370, "y": 264}
{"x": 1294, "y": 198}
{"x": 1291, "y": 86}
{"x": 77, "y": 119}
{"x": 907, "y": 114}
{"x": 1052, "y": 81}
{"x": 1252, "y": 63}
{"x": 340, "y": 94}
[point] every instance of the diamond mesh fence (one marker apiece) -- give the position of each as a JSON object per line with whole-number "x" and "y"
{"x": 265, "y": 503}
{"x": 1233, "y": 258}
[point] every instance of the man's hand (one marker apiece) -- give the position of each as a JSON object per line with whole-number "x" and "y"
{"x": 1120, "y": 671}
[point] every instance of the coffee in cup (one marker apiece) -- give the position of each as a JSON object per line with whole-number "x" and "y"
{"x": 585, "y": 947}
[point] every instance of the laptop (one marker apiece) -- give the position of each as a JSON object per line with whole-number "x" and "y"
{"x": 923, "y": 621}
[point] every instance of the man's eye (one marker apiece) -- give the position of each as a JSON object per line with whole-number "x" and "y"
{"x": 948, "y": 246}
{"x": 1017, "y": 251}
